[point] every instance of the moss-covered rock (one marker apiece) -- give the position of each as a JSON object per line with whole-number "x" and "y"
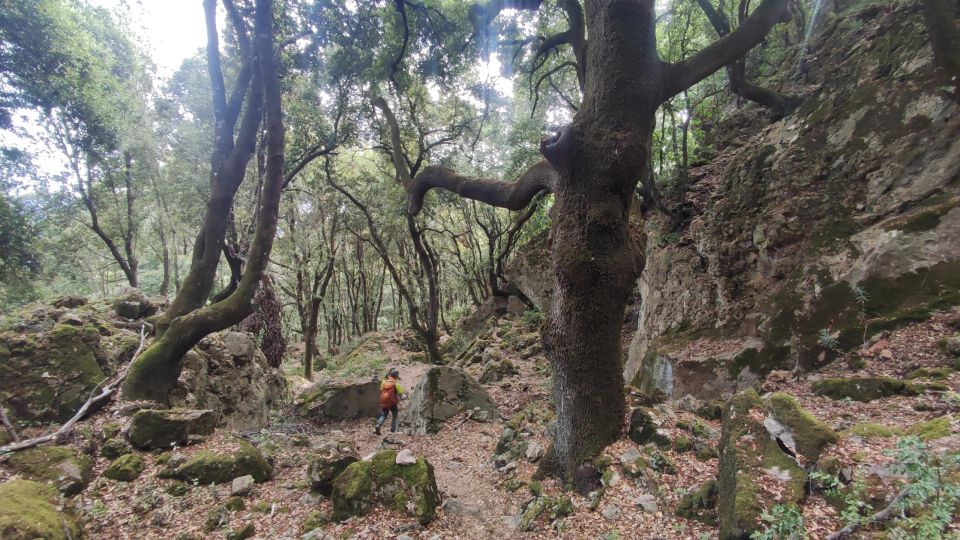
{"x": 235, "y": 504}
{"x": 57, "y": 465}
{"x": 810, "y": 434}
{"x": 870, "y": 430}
{"x": 47, "y": 376}
{"x": 644, "y": 428}
{"x": 114, "y": 448}
{"x": 328, "y": 461}
{"x": 405, "y": 488}
{"x": 315, "y": 520}
{"x": 29, "y": 510}
{"x": 326, "y": 401}
{"x": 938, "y": 373}
{"x": 443, "y": 393}
{"x": 126, "y": 468}
{"x": 247, "y": 531}
{"x": 863, "y": 388}
{"x": 497, "y": 371}
{"x": 207, "y": 467}
{"x": 151, "y": 428}
{"x": 754, "y": 473}
{"x": 553, "y": 508}
{"x": 700, "y": 505}
{"x": 710, "y": 410}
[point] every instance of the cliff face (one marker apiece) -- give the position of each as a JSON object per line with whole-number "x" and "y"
{"x": 835, "y": 222}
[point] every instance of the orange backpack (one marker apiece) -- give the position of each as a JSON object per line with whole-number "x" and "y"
{"x": 388, "y": 394}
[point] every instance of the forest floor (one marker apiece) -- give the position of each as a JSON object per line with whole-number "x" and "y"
{"x": 481, "y": 502}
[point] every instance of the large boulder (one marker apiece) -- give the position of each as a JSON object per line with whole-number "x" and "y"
{"x": 59, "y": 466}
{"x": 411, "y": 489}
{"x": 30, "y": 510}
{"x": 47, "y": 376}
{"x": 754, "y": 472}
{"x": 332, "y": 401}
{"x": 327, "y": 462}
{"x": 152, "y": 428}
{"x": 443, "y": 393}
{"x": 532, "y": 272}
{"x": 222, "y": 466}
{"x": 133, "y": 304}
{"x": 229, "y": 375}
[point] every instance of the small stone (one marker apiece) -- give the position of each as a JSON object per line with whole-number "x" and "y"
{"x": 406, "y": 457}
{"x": 611, "y": 512}
{"x": 241, "y": 486}
{"x": 886, "y": 353}
{"x": 610, "y": 479}
{"x": 508, "y": 467}
{"x": 404, "y": 537}
{"x": 534, "y": 451}
{"x": 316, "y": 534}
{"x": 647, "y": 502}
{"x": 630, "y": 456}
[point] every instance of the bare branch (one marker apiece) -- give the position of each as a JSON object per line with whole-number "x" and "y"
{"x": 513, "y": 196}
{"x": 684, "y": 74}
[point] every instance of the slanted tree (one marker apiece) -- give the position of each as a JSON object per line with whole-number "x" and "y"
{"x": 593, "y": 167}
{"x": 257, "y": 92}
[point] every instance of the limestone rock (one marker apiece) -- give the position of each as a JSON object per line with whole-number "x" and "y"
{"x": 207, "y": 467}
{"x": 497, "y": 371}
{"x": 647, "y": 502}
{"x": 340, "y": 401}
{"x": 126, "y": 468}
{"x": 754, "y": 473}
{"x": 29, "y": 510}
{"x": 115, "y": 447}
{"x": 241, "y": 486}
{"x": 534, "y": 451}
{"x": 154, "y": 428}
{"x": 405, "y": 457}
{"x": 443, "y": 393}
{"x": 409, "y": 488}
{"x": 133, "y": 304}
{"x": 329, "y": 460}
{"x": 57, "y": 465}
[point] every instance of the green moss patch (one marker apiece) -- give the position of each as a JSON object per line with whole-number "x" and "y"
{"x": 936, "y": 428}
{"x": 125, "y": 468}
{"x": 863, "y": 388}
{"x": 28, "y": 510}
{"x": 870, "y": 430}
{"x": 700, "y": 505}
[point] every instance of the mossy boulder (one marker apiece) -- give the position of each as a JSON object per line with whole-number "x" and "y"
{"x": 863, "y": 388}
{"x": 809, "y": 434}
{"x": 497, "y": 371}
{"x": 114, "y": 448}
{"x": 57, "y": 465}
{"x": 645, "y": 429}
{"x": 207, "y": 467}
{"x": 936, "y": 428}
{"x": 47, "y": 376}
{"x": 328, "y": 461}
{"x": 754, "y": 473}
{"x": 247, "y": 531}
{"x": 29, "y": 510}
{"x": 404, "y": 488}
{"x": 154, "y": 428}
{"x": 126, "y": 468}
{"x": 700, "y": 505}
{"x": 551, "y": 507}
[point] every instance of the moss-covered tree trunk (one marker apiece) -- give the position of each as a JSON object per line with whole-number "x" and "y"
{"x": 155, "y": 372}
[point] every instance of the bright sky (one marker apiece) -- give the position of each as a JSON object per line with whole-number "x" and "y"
{"x": 171, "y": 29}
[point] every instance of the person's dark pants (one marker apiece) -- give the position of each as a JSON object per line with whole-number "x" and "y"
{"x": 383, "y": 418}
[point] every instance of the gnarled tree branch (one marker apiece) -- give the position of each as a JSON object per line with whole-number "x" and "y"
{"x": 512, "y": 196}
{"x": 724, "y": 51}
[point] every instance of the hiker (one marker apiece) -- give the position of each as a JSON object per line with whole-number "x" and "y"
{"x": 390, "y": 391}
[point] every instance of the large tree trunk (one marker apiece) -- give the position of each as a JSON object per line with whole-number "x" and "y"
{"x": 155, "y": 372}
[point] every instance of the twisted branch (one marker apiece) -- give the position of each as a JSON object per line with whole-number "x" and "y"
{"x": 512, "y": 196}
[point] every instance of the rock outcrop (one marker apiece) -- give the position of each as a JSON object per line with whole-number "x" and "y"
{"x": 843, "y": 212}
{"x": 221, "y": 467}
{"x": 150, "y": 429}
{"x": 443, "y": 393}
{"x": 329, "y": 459}
{"x": 59, "y": 466}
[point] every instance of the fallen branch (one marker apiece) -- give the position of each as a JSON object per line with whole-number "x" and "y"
{"x": 105, "y": 392}
{"x": 882, "y": 516}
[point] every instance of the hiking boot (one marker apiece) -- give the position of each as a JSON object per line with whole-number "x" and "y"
{"x": 376, "y": 430}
